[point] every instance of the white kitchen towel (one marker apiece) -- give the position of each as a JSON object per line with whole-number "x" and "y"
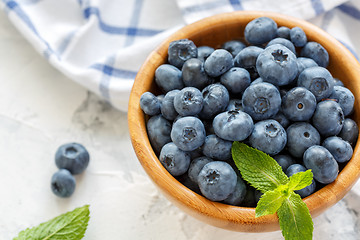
{"x": 101, "y": 44}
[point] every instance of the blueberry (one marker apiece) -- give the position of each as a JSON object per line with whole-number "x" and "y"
{"x": 194, "y": 75}
{"x": 345, "y": 98}
{"x": 317, "y": 52}
{"x": 216, "y": 99}
{"x": 283, "y": 42}
{"x": 340, "y": 149}
{"x": 233, "y": 125}
{"x": 284, "y": 161}
{"x": 188, "y": 102}
{"x": 188, "y": 133}
{"x": 261, "y": 101}
{"x": 174, "y": 160}
{"x": 338, "y": 82}
{"x": 304, "y": 63}
{"x": 322, "y": 163}
{"x": 217, "y": 180}
{"x": 63, "y": 183}
{"x": 298, "y": 104}
{"x": 195, "y": 167}
{"x": 218, "y": 63}
{"x": 260, "y": 30}
{"x": 268, "y": 136}
{"x": 236, "y": 197}
{"x": 298, "y": 37}
{"x": 158, "y": 129}
{"x": 236, "y": 80}
{"x": 280, "y": 117}
{"x": 181, "y": 50}
{"x": 204, "y": 52}
{"x": 185, "y": 180}
{"x": 283, "y": 32}
{"x": 301, "y": 136}
{"x": 317, "y": 80}
{"x": 233, "y": 47}
{"x": 150, "y": 104}
{"x": 235, "y": 105}
{"x": 328, "y": 118}
{"x": 258, "y": 80}
{"x": 168, "y": 78}
{"x": 217, "y": 148}
{"x": 257, "y": 195}
{"x": 167, "y": 106}
{"x": 73, "y": 157}
{"x": 349, "y": 131}
{"x": 277, "y": 65}
{"x": 246, "y": 58}
{"x": 306, "y": 191}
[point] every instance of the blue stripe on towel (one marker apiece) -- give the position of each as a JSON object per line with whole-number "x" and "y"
{"x": 236, "y": 4}
{"x": 350, "y": 10}
{"x": 317, "y": 6}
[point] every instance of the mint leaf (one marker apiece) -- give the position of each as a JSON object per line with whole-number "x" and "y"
{"x": 271, "y": 201}
{"x": 71, "y": 225}
{"x": 300, "y": 180}
{"x": 295, "y": 219}
{"x": 258, "y": 168}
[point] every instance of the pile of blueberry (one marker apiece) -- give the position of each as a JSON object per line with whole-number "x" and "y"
{"x": 273, "y": 93}
{"x": 70, "y": 158}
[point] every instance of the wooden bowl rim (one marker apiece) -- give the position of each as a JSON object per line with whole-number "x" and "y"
{"x": 178, "y": 192}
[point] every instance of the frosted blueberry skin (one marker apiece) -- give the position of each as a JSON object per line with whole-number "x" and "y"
{"x": 72, "y": 156}
{"x": 280, "y": 117}
{"x": 235, "y": 105}
{"x": 345, "y": 98}
{"x": 181, "y": 50}
{"x": 268, "y": 136}
{"x": 150, "y": 104}
{"x": 298, "y": 104}
{"x": 236, "y": 80}
{"x": 168, "y": 78}
{"x": 158, "y": 129}
{"x": 216, "y": 99}
{"x": 204, "y": 52}
{"x": 195, "y": 167}
{"x": 188, "y": 101}
{"x": 277, "y": 65}
{"x": 246, "y": 58}
{"x": 340, "y": 149}
{"x": 233, "y": 125}
{"x": 217, "y": 180}
{"x": 298, "y": 37}
{"x": 306, "y": 191}
{"x": 194, "y": 75}
{"x": 233, "y": 47}
{"x": 217, "y": 148}
{"x": 283, "y": 32}
{"x": 236, "y": 197}
{"x": 328, "y": 118}
{"x": 63, "y": 183}
{"x": 261, "y": 101}
{"x": 260, "y": 30}
{"x": 167, "y": 106}
{"x": 322, "y": 163}
{"x": 349, "y": 131}
{"x": 304, "y": 63}
{"x": 317, "y": 52}
{"x": 174, "y": 160}
{"x": 188, "y": 133}
{"x": 338, "y": 82}
{"x": 219, "y": 62}
{"x": 284, "y": 42}
{"x": 318, "y": 81}
{"x": 284, "y": 161}
{"x": 301, "y": 136}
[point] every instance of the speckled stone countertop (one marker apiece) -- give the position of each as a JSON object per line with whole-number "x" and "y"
{"x": 41, "y": 109}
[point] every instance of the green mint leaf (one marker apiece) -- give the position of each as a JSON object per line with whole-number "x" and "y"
{"x": 300, "y": 180}
{"x": 71, "y": 225}
{"x": 258, "y": 168}
{"x": 295, "y": 219}
{"x": 271, "y": 201}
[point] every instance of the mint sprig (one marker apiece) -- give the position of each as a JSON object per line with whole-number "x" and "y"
{"x": 265, "y": 174}
{"x": 71, "y": 225}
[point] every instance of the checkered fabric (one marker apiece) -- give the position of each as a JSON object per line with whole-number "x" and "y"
{"x": 101, "y": 44}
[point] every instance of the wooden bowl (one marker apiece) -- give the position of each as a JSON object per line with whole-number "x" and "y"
{"x": 214, "y": 31}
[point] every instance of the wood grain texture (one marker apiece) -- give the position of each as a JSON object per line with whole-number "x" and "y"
{"x": 213, "y": 32}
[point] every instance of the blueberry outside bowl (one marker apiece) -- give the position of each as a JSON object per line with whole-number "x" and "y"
{"x": 214, "y": 31}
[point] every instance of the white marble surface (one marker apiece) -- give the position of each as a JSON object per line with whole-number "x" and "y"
{"x": 41, "y": 109}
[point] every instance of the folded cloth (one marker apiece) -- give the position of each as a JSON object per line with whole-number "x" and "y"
{"x": 101, "y": 44}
